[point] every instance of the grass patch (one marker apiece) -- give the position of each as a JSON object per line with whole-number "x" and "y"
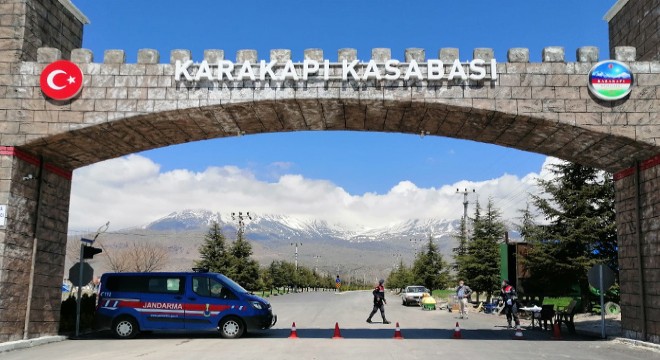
{"x": 557, "y": 301}
{"x": 443, "y": 294}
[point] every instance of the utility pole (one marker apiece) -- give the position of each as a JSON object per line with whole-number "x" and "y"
{"x": 316, "y": 268}
{"x": 465, "y": 209}
{"x": 240, "y": 217}
{"x": 296, "y": 253}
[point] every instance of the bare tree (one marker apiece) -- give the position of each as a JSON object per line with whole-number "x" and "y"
{"x": 138, "y": 256}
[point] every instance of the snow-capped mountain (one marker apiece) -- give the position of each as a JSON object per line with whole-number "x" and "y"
{"x": 272, "y": 227}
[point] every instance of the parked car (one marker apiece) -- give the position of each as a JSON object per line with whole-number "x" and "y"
{"x": 413, "y": 294}
{"x": 129, "y": 303}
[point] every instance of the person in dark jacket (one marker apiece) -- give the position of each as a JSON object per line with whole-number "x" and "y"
{"x": 379, "y": 302}
{"x": 510, "y": 299}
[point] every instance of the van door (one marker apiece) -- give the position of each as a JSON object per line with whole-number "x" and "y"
{"x": 208, "y": 300}
{"x": 162, "y": 303}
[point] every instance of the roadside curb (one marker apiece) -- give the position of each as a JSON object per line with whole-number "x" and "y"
{"x": 644, "y": 344}
{"x": 24, "y": 344}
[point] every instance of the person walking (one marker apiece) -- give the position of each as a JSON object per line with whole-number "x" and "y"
{"x": 379, "y": 302}
{"x": 463, "y": 294}
{"x": 510, "y": 299}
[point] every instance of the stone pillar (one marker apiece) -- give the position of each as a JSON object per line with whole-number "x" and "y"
{"x": 639, "y": 249}
{"x": 30, "y": 24}
{"x": 635, "y": 23}
{"x": 37, "y": 199}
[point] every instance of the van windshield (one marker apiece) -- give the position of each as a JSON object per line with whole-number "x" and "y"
{"x": 232, "y": 285}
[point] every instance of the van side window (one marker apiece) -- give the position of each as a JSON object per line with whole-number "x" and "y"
{"x": 145, "y": 284}
{"x": 166, "y": 285}
{"x": 205, "y": 286}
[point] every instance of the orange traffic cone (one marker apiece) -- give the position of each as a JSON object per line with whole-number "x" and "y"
{"x": 294, "y": 333}
{"x": 337, "y": 334}
{"x": 519, "y": 334}
{"x": 556, "y": 331}
{"x": 397, "y": 332}
{"x": 457, "y": 332}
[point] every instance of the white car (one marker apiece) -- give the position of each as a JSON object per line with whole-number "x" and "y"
{"x": 413, "y": 294}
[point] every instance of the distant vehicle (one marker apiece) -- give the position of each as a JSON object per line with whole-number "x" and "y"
{"x": 413, "y": 294}
{"x": 178, "y": 301}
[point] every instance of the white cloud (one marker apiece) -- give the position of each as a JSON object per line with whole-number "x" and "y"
{"x": 131, "y": 191}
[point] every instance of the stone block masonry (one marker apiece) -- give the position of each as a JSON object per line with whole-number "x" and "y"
{"x": 564, "y": 116}
{"x": 636, "y": 23}
{"x": 124, "y": 108}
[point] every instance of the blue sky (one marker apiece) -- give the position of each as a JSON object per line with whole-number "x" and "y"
{"x": 364, "y": 169}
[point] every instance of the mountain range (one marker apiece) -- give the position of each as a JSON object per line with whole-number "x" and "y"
{"x": 329, "y": 248}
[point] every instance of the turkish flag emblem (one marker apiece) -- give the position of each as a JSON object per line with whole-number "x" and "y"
{"x": 61, "y": 80}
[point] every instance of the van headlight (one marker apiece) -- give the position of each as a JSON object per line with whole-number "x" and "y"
{"x": 257, "y": 305}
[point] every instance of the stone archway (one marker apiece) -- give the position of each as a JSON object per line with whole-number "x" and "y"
{"x": 124, "y": 108}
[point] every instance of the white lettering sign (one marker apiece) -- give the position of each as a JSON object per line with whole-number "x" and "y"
{"x": 391, "y": 70}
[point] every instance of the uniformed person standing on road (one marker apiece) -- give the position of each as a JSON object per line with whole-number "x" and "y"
{"x": 510, "y": 299}
{"x": 379, "y": 302}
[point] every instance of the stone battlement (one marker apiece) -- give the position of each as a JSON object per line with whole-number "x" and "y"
{"x": 551, "y": 54}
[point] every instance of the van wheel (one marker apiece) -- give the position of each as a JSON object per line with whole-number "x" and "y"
{"x": 125, "y": 327}
{"x": 231, "y": 328}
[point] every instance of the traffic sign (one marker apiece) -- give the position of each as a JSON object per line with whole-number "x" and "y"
{"x": 87, "y": 274}
{"x": 608, "y": 277}
{"x": 90, "y": 251}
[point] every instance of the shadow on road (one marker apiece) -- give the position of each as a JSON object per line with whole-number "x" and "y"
{"x": 361, "y": 333}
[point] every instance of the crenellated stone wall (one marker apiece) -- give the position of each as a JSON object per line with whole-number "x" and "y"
{"x": 550, "y": 98}
{"x": 126, "y": 108}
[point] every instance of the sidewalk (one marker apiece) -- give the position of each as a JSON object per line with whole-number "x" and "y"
{"x": 24, "y": 344}
{"x": 591, "y": 325}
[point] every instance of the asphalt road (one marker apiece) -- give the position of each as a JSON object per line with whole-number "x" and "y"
{"x": 427, "y": 334}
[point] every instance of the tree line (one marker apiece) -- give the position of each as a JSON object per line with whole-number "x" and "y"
{"x": 234, "y": 261}
{"x": 577, "y": 230}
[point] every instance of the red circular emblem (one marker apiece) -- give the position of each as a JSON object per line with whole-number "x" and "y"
{"x": 61, "y": 80}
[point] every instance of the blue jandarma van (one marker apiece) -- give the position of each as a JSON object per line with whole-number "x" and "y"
{"x": 192, "y": 301}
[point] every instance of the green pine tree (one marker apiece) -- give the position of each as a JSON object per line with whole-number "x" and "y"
{"x": 213, "y": 252}
{"x": 482, "y": 261}
{"x": 460, "y": 251}
{"x": 430, "y": 269}
{"x": 579, "y": 205}
{"x": 244, "y": 270}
